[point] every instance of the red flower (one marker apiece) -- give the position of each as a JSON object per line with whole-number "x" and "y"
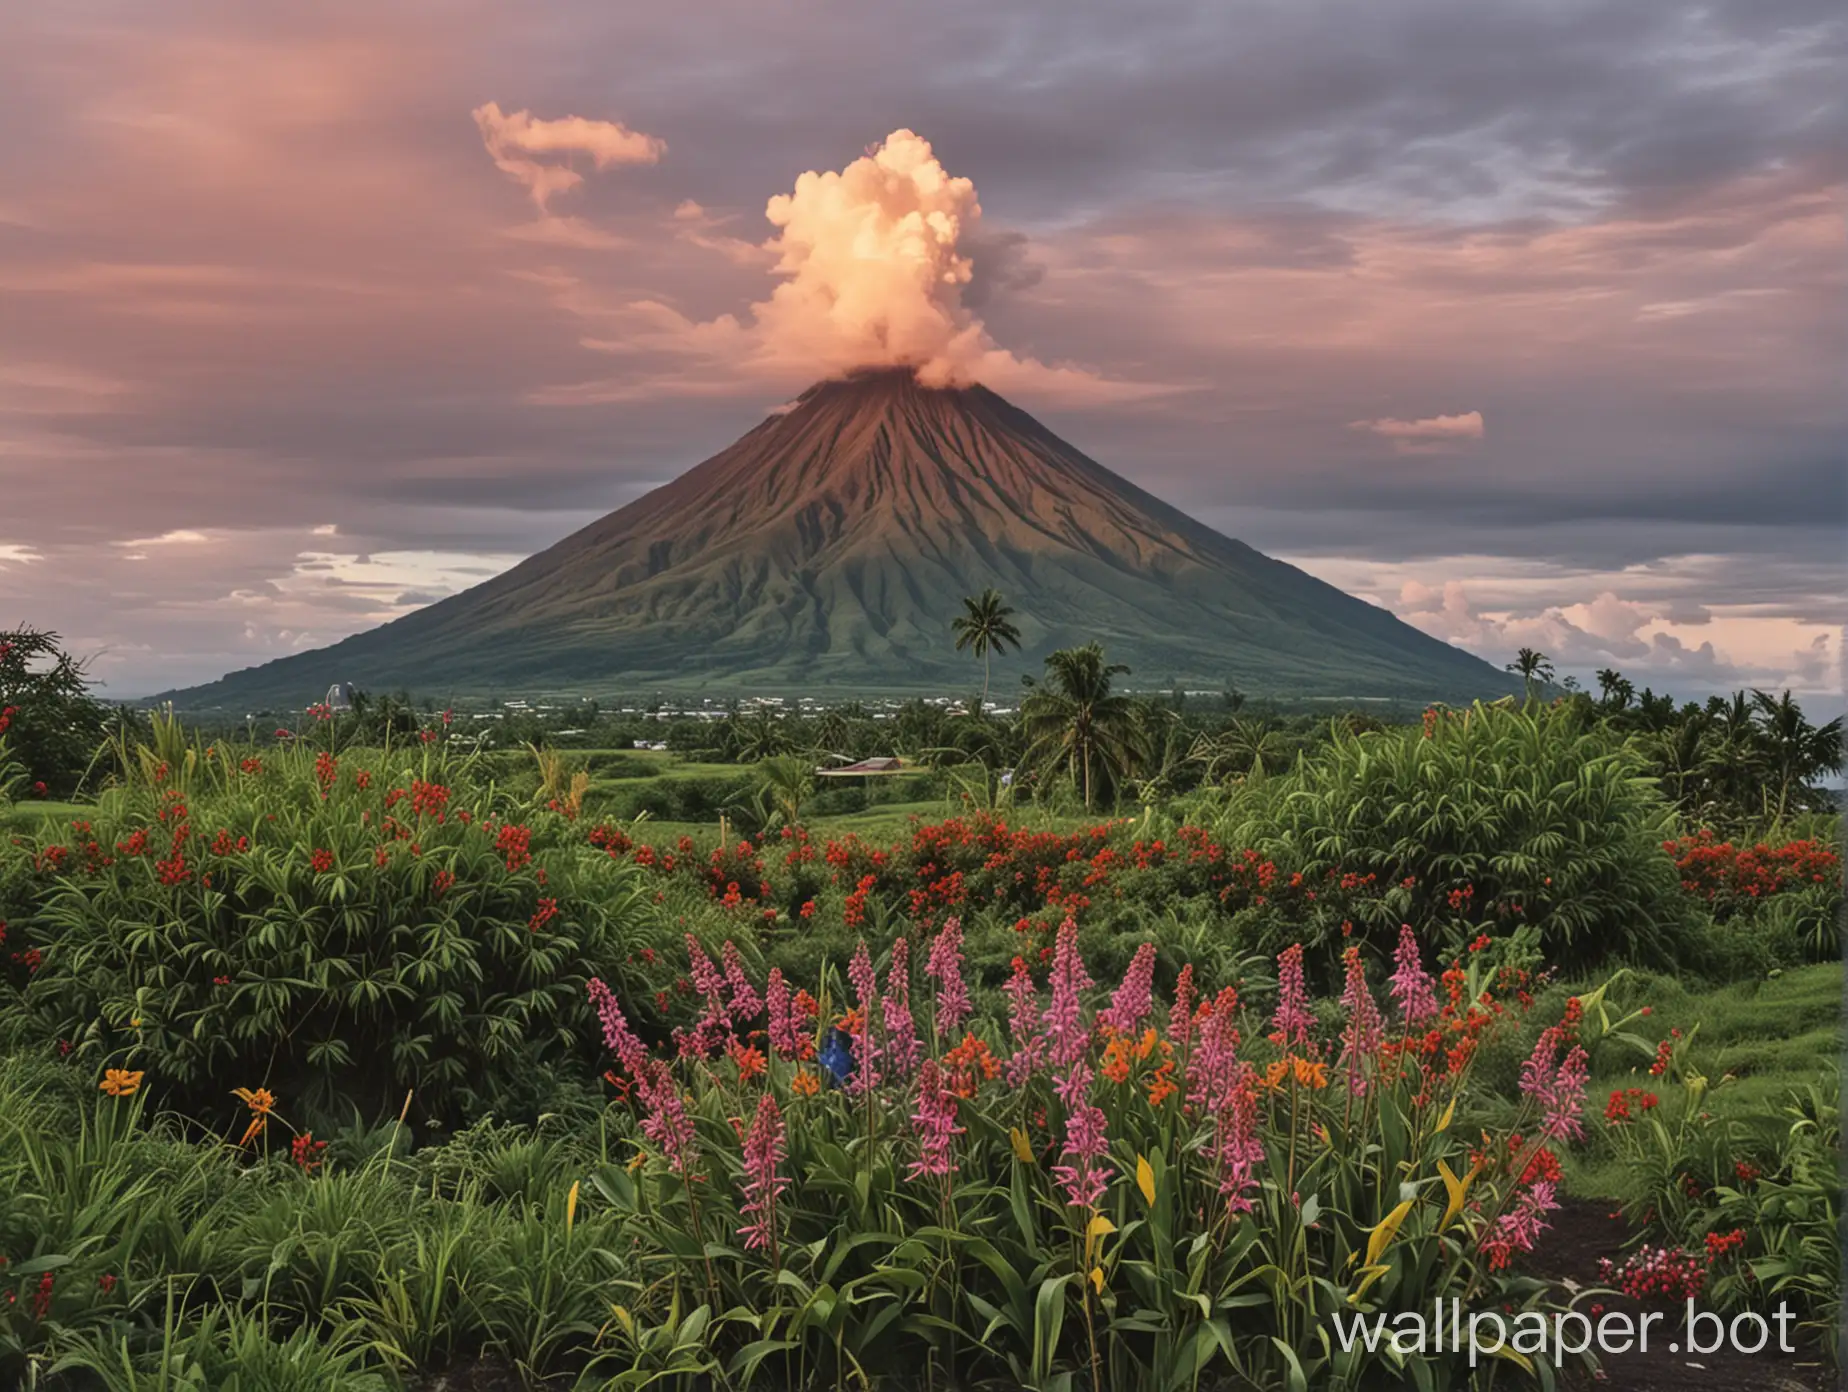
{"x": 321, "y": 861}
{"x": 515, "y": 843}
{"x": 305, "y": 1151}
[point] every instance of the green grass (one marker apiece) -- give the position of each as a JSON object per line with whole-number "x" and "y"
{"x": 1757, "y": 1041}
{"x": 32, "y": 816}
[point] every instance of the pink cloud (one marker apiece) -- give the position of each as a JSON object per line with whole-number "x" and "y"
{"x": 511, "y": 136}
{"x": 1429, "y": 435}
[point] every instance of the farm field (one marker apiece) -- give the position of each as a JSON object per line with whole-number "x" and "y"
{"x": 377, "y": 1058}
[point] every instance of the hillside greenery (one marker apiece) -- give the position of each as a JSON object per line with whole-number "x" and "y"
{"x": 1123, "y": 1041}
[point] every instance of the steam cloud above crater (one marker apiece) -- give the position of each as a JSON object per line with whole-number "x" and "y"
{"x": 875, "y": 269}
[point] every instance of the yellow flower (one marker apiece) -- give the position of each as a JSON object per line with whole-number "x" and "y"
{"x": 120, "y": 1082}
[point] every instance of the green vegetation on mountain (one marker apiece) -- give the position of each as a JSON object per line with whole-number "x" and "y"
{"x": 830, "y": 547}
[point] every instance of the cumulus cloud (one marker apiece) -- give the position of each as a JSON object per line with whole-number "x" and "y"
{"x": 1493, "y": 616}
{"x": 512, "y": 138}
{"x": 1429, "y": 435}
{"x": 874, "y": 271}
{"x": 879, "y": 267}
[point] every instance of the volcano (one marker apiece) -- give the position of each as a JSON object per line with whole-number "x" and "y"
{"x": 830, "y": 547}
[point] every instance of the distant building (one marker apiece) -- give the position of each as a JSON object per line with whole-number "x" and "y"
{"x": 866, "y": 768}
{"x": 340, "y": 696}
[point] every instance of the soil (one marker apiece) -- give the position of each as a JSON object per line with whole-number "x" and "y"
{"x": 1583, "y": 1231}
{"x": 483, "y": 1375}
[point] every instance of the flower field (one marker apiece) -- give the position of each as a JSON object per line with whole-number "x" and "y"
{"x": 343, "y": 1064}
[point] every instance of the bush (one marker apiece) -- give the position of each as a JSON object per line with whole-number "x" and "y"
{"x": 1484, "y": 819}
{"x": 326, "y": 927}
{"x": 50, "y": 724}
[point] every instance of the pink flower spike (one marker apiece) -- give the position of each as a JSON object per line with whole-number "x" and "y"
{"x": 1023, "y": 1024}
{"x": 866, "y": 1048}
{"x": 1134, "y": 997}
{"x": 744, "y": 1002}
{"x": 902, "y": 1044}
{"x": 763, "y": 1185}
{"x": 1213, "y": 1068}
{"x": 1411, "y": 983}
{"x": 944, "y": 966}
{"x": 785, "y": 1036}
{"x": 935, "y": 1122}
{"x": 616, "y": 1032}
{"x": 1567, "y": 1099}
{"x": 1086, "y": 1142}
{"x": 1180, "y": 1014}
{"x": 1240, "y": 1151}
{"x": 1364, "y": 1032}
{"x": 667, "y": 1123}
{"x": 1066, "y": 1034}
{"x": 1292, "y": 1021}
{"x": 707, "y": 979}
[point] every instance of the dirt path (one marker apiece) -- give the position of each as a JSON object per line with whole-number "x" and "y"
{"x": 1582, "y": 1232}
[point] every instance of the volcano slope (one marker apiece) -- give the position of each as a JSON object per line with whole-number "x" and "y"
{"x": 827, "y": 551}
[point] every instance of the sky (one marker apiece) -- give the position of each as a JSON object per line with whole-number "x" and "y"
{"x": 1522, "y": 319}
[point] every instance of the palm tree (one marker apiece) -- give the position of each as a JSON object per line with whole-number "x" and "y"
{"x": 785, "y": 783}
{"x": 1531, "y": 666}
{"x": 1683, "y": 756}
{"x": 1076, "y": 719}
{"x": 1797, "y": 750}
{"x": 757, "y": 736}
{"x": 1614, "y": 690}
{"x": 984, "y": 628}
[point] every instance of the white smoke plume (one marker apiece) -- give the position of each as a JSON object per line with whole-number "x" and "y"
{"x": 512, "y": 137}
{"x": 876, "y": 268}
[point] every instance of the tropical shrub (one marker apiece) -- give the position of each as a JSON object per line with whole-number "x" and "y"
{"x": 48, "y": 717}
{"x": 326, "y": 926}
{"x": 1785, "y": 898}
{"x": 865, "y": 1184}
{"x": 1485, "y": 818}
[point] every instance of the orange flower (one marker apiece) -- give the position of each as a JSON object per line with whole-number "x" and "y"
{"x": 1303, "y": 1072}
{"x": 969, "y": 1065}
{"x": 261, "y": 1103}
{"x": 120, "y": 1082}
{"x": 1117, "y": 1055}
{"x": 1310, "y": 1075}
{"x": 1161, "y": 1084}
{"x": 805, "y": 1083}
{"x": 750, "y": 1061}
